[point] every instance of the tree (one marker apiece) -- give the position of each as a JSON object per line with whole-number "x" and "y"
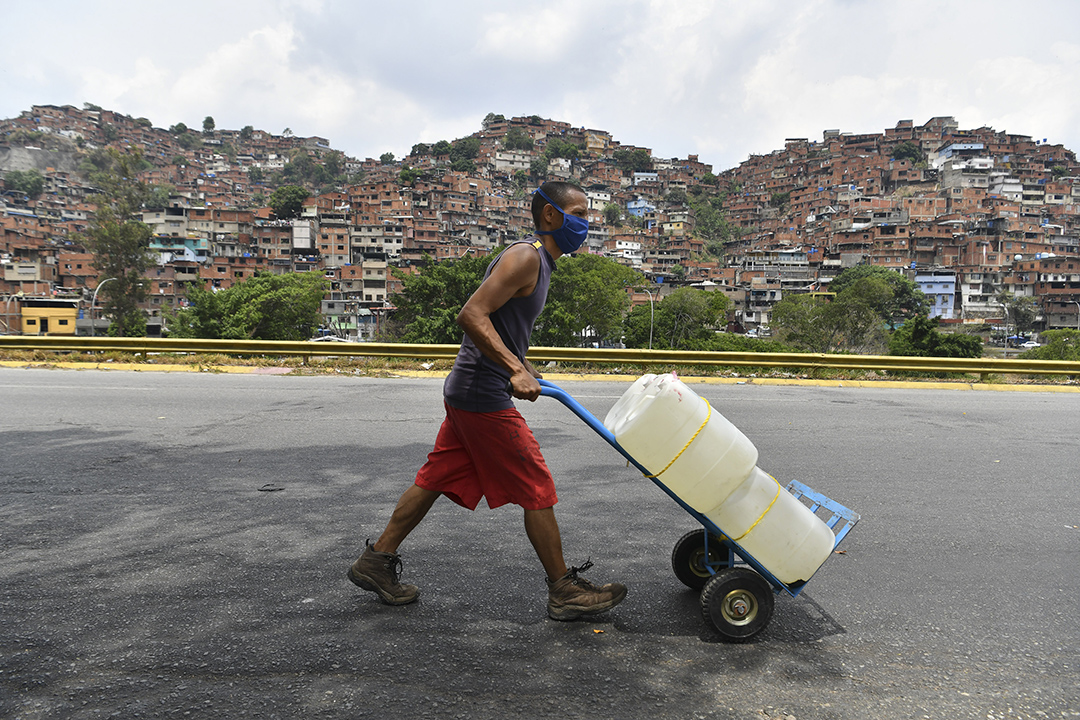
{"x": 491, "y": 118}
{"x": 908, "y": 150}
{"x": 120, "y": 241}
{"x": 631, "y": 161}
{"x": 467, "y": 148}
{"x": 178, "y": 129}
{"x": 440, "y": 148}
{"x": 587, "y": 301}
{"x": 247, "y": 132}
{"x": 612, "y": 213}
{"x": 28, "y": 182}
{"x": 429, "y": 302}
{"x": 687, "y": 319}
{"x": 1058, "y": 345}
{"x": 208, "y": 125}
{"x": 907, "y": 299}
{"x": 847, "y": 323}
{"x": 1022, "y": 311}
{"x": 538, "y": 168}
{"x": 264, "y": 307}
{"x": 558, "y": 148}
{"x": 158, "y": 196}
{"x": 420, "y": 150}
{"x": 517, "y": 139}
{"x": 919, "y": 337}
{"x": 288, "y": 201}
{"x": 676, "y": 197}
{"x": 256, "y": 175}
{"x": 387, "y": 158}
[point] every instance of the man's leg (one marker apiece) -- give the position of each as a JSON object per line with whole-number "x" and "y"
{"x": 379, "y": 567}
{"x": 411, "y": 509}
{"x": 543, "y": 532}
{"x": 570, "y": 596}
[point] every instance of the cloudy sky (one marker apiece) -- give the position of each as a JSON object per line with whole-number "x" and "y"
{"x": 720, "y": 79}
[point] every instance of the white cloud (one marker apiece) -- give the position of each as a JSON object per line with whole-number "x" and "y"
{"x": 721, "y": 79}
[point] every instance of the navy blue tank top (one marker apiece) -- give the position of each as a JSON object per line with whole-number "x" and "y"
{"x": 478, "y": 384}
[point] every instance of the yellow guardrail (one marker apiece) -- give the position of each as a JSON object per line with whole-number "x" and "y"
{"x": 545, "y": 354}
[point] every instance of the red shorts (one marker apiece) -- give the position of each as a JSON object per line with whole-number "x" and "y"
{"x": 491, "y": 455}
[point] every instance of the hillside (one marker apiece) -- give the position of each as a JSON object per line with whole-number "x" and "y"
{"x": 969, "y": 214}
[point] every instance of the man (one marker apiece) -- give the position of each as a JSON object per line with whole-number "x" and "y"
{"x": 484, "y": 449}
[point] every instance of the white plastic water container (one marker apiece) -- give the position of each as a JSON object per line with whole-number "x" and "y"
{"x": 712, "y": 467}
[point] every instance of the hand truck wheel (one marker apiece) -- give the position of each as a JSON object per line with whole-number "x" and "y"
{"x": 738, "y": 602}
{"x": 688, "y": 558}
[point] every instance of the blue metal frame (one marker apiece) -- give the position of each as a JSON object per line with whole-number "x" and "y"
{"x": 796, "y": 488}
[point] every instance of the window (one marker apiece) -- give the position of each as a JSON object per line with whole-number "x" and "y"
{"x": 61, "y": 322}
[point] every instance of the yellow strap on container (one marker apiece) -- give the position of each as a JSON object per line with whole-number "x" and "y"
{"x": 709, "y": 415}
{"x": 775, "y": 497}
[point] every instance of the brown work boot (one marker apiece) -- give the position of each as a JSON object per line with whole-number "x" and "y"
{"x": 572, "y": 596}
{"x": 379, "y": 572}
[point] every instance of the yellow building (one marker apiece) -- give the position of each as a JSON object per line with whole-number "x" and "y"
{"x": 45, "y": 316}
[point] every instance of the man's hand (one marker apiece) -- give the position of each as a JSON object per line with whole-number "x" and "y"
{"x": 524, "y": 386}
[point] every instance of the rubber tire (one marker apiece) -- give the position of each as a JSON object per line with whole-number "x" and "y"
{"x": 687, "y": 559}
{"x": 742, "y": 585}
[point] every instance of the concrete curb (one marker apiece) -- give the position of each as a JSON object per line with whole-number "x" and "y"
{"x": 563, "y": 377}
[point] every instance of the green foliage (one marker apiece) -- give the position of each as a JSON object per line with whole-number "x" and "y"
{"x": 687, "y": 319}
{"x": 676, "y": 197}
{"x": 28, "y": 182}
{"x": 559, "y": 148}
{"x": 208, "y": 125}
{"x": 538, "y": 168}
{"x": 463, "y": 165}
{"x": 158, "y": 196}
{"x": 1022, "y": 311}
{"x": 387, "y": 158}
{"x": 247, "y": 132}
{"x": 120, "y": 241}
{"x": 710, "y": 179}
{"x": 631, "y": 161}
{"x": 587, "y": 291}
{"x": 710, "y": 222}
{"x": 780, "y": 200}
{"x": 517, "y": 139}
{"x": 420, "y": 150}
{"x": 264, "y": 307}
{"x": 408, "y": 176}
{"x": 1058, "y": 345}
{"x": 288, "y": 201}
{"x": 919, "y": 337}
{"x": 303, "y": 170}
{"x": 144, "y": 122}
{"x": 178, "y": 129}
{"x": 440, "y": 148}
{"x": 429, "y": 302}
{"x": 612, "y": 213}
{"x": 908, "y": 150}
{"x": 189, "y": 141}
{"x": 847, "y": 323}
{"x": 465, "y": 149}
{"x": 491, "y": 118}
{"x": 907, "y": 299}
{"x": 256, "y": 175}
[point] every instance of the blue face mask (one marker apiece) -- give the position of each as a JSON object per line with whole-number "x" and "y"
{"x": 571, "y": 234}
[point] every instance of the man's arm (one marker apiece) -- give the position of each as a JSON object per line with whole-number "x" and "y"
{"x": 514, "y": 275}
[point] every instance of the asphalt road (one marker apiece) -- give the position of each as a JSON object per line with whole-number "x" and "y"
{"x": 175, "y": 545}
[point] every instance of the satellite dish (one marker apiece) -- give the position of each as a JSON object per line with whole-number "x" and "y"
{"x": 1018, "y": 257}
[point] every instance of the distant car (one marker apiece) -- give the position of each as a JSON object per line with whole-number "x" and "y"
{"x": 1030, "y": 344}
